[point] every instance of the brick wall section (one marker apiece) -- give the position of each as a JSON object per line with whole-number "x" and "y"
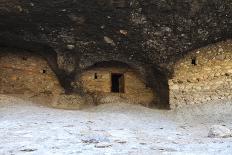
{"x": 25, "y": 73}
{"x": 101, "y": 84}
{"x": 135, "y": 89}
{"x": 209, "y": 79}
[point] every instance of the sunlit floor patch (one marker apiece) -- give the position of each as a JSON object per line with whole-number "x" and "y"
{"x": 27, "y": 128}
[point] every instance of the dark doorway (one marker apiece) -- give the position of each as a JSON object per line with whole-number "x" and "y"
{"x": 117, "y": 83}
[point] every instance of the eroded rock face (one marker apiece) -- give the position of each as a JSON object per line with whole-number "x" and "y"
{"x": 218, "y": 131}
{"x": 71, "y": 101}
{"x": 149, "y": 35}
{"x": 155, "y": 30}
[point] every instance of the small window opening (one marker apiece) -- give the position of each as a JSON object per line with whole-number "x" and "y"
{"x": 117, "y": 83}
{"x": 24, "y": 58}
{"x": 146, "y": 86}
{"x": 194, "y": 61}
{"x": 44, "y": 71}
{"x": 95, "y": 76}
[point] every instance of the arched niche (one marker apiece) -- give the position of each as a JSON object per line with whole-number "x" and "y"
{"x": 113, "y": 81}
{"x": 24, "y": 72}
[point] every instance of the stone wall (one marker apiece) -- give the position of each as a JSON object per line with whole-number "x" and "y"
{"x": 203, "y": 75}
{"x": 135, "y": 90}
{"x": 146, "y": 34}
{"x": 22, "y": 72}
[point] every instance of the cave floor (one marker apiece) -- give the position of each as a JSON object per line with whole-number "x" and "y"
{"x": 111, "y": 129}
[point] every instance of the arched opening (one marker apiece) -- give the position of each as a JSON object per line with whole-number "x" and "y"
{"x": 157, "y": 78}
{"x": 114, "y": 81}
{"x": 23, "y": 73}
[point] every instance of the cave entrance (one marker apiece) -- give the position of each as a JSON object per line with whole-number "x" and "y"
{"x": 117, "y": 83}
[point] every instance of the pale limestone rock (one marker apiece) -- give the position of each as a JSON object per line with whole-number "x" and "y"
{"x": 124, "y": 32}
{"x": 109, "y": 41}
{"x": 70, "y": 47}
{"x": 73, "y": 101}
{"x": 175, "y": 87}
{"x": 218, "y": 131}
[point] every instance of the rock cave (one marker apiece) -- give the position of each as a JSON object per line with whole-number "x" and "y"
{"x": 154, "y": 53}
{"x": 115, "y": 77}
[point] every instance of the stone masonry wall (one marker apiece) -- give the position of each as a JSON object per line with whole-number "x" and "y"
{"x": 23, "y": 72}
{"x": 135, "y": 90}
{"x": 203, "y": 75}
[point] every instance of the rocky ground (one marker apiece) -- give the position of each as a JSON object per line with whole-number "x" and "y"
{"x": 111, "y": 129}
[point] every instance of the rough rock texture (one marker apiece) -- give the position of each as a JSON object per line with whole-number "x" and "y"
{"x": 202, "y": 75}
{"x": 146, "y": 34}
{"x": 71, "y": 101}
{"x": 218, "y": 131}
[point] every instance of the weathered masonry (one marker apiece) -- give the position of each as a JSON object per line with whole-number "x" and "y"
{"x": 23, "y": 72}
{"x": 155, "y": 38}
{"x": 203, "y": 75}
{"x": 108, "y": 83}
{"x": 198, "y": 77}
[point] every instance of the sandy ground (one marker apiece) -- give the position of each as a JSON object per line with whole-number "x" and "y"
{"x": 111, "y": 129}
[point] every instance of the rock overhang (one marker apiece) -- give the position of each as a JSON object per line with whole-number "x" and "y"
{"x": 149, "y": 35}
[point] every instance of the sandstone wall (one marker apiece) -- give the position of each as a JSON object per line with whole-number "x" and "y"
{"x": 135, "y": 90}
{"x": 101, "y": 84}
{"x": 22, "y": 73}
{"x": 203, "y": 75}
